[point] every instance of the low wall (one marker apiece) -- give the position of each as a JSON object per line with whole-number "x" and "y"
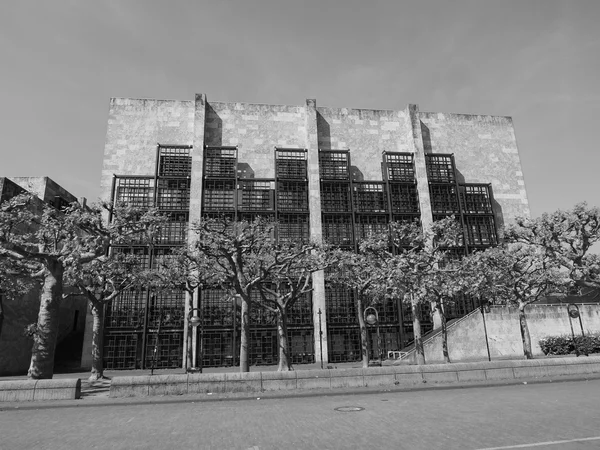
{"x": 466, "y": 338}
{"x": 390, "y": 376}
{"x": 33, "y": 390}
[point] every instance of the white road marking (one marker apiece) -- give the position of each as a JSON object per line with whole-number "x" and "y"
{"x": 537, "y": 444}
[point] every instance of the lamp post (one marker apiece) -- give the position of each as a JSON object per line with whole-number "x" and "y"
{"x": 373, "y": 319}
{"x": 573, "y": 312}
{"x": 483, "y": 311}
{"x": 320, "y": 338}
{"x": 194, "y": 321}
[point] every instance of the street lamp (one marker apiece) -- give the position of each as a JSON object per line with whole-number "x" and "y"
{"x": 373, "y": 319}
{"x": 194, "y": 321}
{"x": 485, "y": 309}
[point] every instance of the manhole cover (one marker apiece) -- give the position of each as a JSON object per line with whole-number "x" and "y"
{"x": 349, "y": 409}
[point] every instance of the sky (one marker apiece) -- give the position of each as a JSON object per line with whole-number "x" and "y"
{"x": 534, "y": 60}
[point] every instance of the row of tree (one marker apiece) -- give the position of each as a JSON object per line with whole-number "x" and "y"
{"x": 67, "y": 252}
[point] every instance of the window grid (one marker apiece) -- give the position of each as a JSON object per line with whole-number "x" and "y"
{"x": 290, "y": 164}
{"x": 444, "y": 199}
{"x": 292, "y": 196}
{"x": 169, "y": 350}
{"x": 166, "y": 307}
{"x": 174, "y": 162}
{"x": 175, "y": 231}
{"x": 127, "y": 310}
{"x": 256, "y": 195}
{"x": 120, "y": 351}
{"x": 440, "y": 169}
{"x": 400, "y": 167}
{"x": 481, "y": 231}
{"x": 217, "y": 307}
{"x": 343, "y": 344}
{"x": 293, "y": 228}
{"x": 367, "y": 225}
{"x": 219, "y": 195}
{"x": 173, "y": 194}
{"x": 340, "y": 304}
{"x": 301, "y": 311}
{"x": 335, "y": 197}
{"x": 337, "y": 230}
{"x": 405, "y": 199}
{"x": 370, "y": 197}
{"x": 334, "y": 165}
{"x": 476, "y": 199}
{"x": 135, "y": 192}
{"x": 220, "y": 163}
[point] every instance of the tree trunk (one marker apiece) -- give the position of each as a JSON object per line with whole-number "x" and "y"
{"x": 97, "y": 341}
{"x": 189, "y": 361}
{"x": 364, "y": 340}
{"x": 440, "y": 309}
{"x": 285, "y": 362}
{"x": 245, "y": 336}
{"x": 46, "y": 335}
{"x": 419, "y": 351}
{"x": 525, "y": 337}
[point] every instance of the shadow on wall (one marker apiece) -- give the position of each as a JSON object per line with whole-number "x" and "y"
{"x": 356, "y": 174}
{"x": 498, "y": 215}
{"x": 323, "y": 133}
{"x": 213, "y": 128}
{"x": 244, "y": 170}
{"x": 460, "y": 178}
{"x": 426, "y": 135}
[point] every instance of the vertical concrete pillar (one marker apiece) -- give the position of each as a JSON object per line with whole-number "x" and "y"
{"x": 197, "y": 153}
{"x": 316, "y": 231}
{"x": 422, "y": 182}
{"x": 416, "y": 146}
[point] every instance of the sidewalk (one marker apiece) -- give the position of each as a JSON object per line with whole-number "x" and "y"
{"x": 100, "y": 389}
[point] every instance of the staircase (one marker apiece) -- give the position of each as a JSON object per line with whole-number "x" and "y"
{"x": 409, "y": 350}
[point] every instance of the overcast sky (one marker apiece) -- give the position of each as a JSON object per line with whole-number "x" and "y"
{"x": 537, "y": 61}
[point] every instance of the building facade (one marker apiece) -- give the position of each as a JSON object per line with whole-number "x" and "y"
{"x": 331, "y": 174}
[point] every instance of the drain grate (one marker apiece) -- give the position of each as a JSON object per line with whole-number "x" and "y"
{"x": 349, "y": 409}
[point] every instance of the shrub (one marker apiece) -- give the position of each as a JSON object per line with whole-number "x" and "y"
{"x": 565, "y": 345}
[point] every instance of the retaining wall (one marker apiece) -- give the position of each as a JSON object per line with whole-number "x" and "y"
{"x": 466, "y": 337}
{"x": 391, "y": 376}
{"x": 33, "y": 390}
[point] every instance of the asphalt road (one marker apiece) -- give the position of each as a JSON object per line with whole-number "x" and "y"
{"x": 563, "y": 415}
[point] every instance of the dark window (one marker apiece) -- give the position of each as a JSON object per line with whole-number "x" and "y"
{"x": 174, "y": 162}
{"x": 399, "y": 167}
{"x": 135, "y": 192}
{"x": 334, "y": 165}
{"x": 370, "y": 225}
{"x": 476, "y": 199}
{"x": 220, "y": 162}
{"x": 335, "y": 197}
{"x": 256, "y": 195}
{"x": 440, "y": 168}
{"x": 173, "y": 194}
{"x": 370, "y": 197}
{"x": 481, "y": 230}
{"x": 293, "y": 228}
{"x": 405, "y": 199}
{"x": 444, "y": 199}
{"x": 219, "y": 195}
{"x": 290, "y": 164}
{"x": 337, "y": 230}
{"x": 292, "y": 196}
